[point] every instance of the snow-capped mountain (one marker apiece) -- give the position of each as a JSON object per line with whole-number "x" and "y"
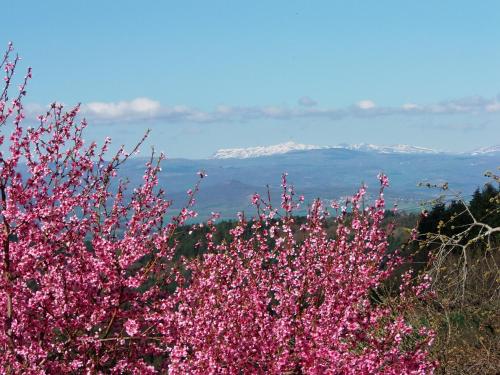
{"x": 283, "y": 148}
{"x": 487, "y": 150}
{"x": 254, "y": 152}
{"x": 392, "y": 149}
{"x": 326, "y": 172}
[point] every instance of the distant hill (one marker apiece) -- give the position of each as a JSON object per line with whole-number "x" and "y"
{"x": 329, "y": 173}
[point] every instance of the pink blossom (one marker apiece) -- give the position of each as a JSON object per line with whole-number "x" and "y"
{"x": 131, "y": 327}
{"x": 255, "y": 198}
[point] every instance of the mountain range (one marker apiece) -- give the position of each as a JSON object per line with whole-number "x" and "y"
{"x": 283, "y": 148}
{"x": 318, "y": 171}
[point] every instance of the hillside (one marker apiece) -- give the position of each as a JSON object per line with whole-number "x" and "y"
{"x": 328, "y": 173}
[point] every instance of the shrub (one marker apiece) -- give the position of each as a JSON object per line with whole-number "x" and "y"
{"x": 264, "y": 303}
{"x": 70, "y": 295}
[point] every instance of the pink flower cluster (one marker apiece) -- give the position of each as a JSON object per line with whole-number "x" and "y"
{"x": 266, "y": 303}
{"x": 87, "y": 269}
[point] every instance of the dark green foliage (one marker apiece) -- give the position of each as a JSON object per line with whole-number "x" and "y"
{"x": 455, "y": 217}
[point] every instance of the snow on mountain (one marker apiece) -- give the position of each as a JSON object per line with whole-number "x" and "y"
{"x": 283, "y": 148}
{"x": 253, "y": 152}
{"x": 487, "y": 150}
{"x": 399, "y": 149}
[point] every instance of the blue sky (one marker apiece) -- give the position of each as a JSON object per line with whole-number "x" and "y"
{"x": 205, "y": 75}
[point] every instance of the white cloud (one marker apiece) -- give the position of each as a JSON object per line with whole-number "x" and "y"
{"x": 122, "y": 110}
{"x": 146, "y": 109}
{"x": 274, "y": 111}
{"x": 410, "y": 106}
{"x": 141, "y": 105}
{"x": 366, "y": 104}
{"x": 223, "y": 109}
{"x": 306, "y": 101}
{"x": 493, "y": 107}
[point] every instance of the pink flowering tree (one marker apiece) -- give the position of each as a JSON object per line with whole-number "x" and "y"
{"x": 266, "y": 303}
{"x": 87, "y": 269}
{"x": 72, "y": 237}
